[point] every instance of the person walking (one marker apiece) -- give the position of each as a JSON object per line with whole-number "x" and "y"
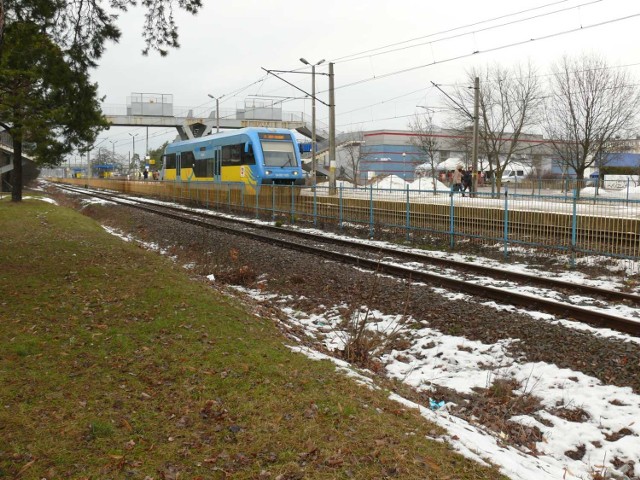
{"x": 457, "y": 179}
{"x": 466, "y": 181}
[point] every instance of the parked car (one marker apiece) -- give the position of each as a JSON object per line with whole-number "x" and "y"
{"x": 513, "y": 176}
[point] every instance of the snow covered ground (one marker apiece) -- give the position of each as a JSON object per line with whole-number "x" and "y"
{"x": 609, "y": 433}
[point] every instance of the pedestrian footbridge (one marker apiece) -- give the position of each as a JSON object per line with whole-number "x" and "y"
{"x": 151, "y": 110}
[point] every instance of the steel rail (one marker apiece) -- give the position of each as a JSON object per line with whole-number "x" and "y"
{"x": 581, "y": 314}
{"x": 578, "y": 288}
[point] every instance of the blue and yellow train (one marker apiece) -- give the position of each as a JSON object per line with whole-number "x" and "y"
{"x": 252, "y": 156}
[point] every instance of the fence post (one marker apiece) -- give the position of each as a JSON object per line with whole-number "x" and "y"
{"x": 340, "y": 208}
{"x": 315, "y": 207}
{"x": 229, "y": 197}
{"x": 452, "y": 233}
{"x": 408, "y": 215}
{"x": 574, "y": 228}
{"x": 256, "y": 190}
{"x": 273, "y": 203}
{"x": 371, "y": 213}
{"x": 293, "y": 205}
{"x": 505, "y": 232}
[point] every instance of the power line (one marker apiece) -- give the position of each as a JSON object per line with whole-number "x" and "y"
{"x": 457, "y": 85}
{"x": 340, "y": 59}
{"x": 452, "y": 37}
{"x": 478, "y": 52}
{"x": 375, "y": 120}
{"x": 344, "y": 58}
{"x": 384, "y": 101}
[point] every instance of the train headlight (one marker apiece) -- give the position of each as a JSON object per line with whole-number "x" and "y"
{"x": 295, "y": 173}
{"x": 267, "y": 172}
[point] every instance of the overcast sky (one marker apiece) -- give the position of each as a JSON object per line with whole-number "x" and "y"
{"x": 224, "y": 47}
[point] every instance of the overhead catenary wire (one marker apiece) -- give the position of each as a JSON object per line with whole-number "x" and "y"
{"x": 369, "y": 54}
{"x": 431, "y": 42}
{"x": 479, "y": 52}
{"x": 344, "y": 58}
{"x": 458, "y": 85}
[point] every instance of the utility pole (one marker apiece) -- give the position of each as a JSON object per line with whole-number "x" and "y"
{"x": 476, "y": 120}
{"x": 313, "y": 99}
{"x": 313, "y": 117}
{"x": 313, "y": 124}
{"x": 217, "y": 99}
{"x": 332, "y": 133}
{"x": 133, "y": 137}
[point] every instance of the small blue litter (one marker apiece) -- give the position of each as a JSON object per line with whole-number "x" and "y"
{"x": 434, "y": 405}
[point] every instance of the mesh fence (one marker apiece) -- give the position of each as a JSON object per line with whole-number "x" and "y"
{"x": 578, "y": 222}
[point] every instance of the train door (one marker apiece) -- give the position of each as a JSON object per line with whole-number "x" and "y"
{"x": 178, "y": 162}
{"x": 217, "y": 164}
{"x": 163, "y": 167}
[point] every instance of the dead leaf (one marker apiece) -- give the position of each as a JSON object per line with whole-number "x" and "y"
{"x": 25, "y": 467}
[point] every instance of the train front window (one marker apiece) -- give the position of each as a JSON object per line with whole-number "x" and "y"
{"x": 279, "y": 154}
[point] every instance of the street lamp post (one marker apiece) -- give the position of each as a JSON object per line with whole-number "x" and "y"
{"x": 313, "y": 116}
{"x": 113, "y": 156}
{"x": 133, "y": 156}
{"x": 113, "y": 151}
{"x": 217, "y": 99}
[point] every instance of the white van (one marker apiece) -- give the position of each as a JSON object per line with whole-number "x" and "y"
{"x": 513, "y": 176}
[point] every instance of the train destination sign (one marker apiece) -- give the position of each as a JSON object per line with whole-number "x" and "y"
{"x": 274, "y": 136}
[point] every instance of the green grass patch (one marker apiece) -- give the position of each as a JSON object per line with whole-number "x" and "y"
{"x": 114, "y": 364}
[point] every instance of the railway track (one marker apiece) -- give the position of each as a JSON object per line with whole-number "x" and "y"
{"x": 472, "y": 279}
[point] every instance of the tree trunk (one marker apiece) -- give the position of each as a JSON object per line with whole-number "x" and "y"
{"x": 2, "y": 16}
{"x": 16, "y": 173}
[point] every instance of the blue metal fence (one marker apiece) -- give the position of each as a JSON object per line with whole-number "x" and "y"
{"x": 575, "y": 223}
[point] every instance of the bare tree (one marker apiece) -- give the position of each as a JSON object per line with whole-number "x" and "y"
{"x": 428, "y": 144}
{"x": 352, "y": 155}
{"x": 510, "y": 103}
{"x": 590, "y": 103}
{"x": 461, "y": 141}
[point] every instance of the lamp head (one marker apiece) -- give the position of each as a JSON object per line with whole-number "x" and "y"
{"x": 303, "y": 60}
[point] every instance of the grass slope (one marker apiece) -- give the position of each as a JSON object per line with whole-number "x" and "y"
{"x": 114, "y": 364}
